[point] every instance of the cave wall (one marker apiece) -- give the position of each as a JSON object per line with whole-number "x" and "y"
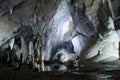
{"x": 52, "y": 21}
{"x": 63, "y": 20}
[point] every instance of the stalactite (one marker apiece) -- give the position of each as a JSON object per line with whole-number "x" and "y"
{"x": 58, "y": 31}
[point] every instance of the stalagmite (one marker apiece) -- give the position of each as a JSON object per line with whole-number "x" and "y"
{"x": 12, "y": 43}
{"x": 40, "y": 55}
{"x": 30, "y": 48}
{"x": 106, "y": 48}
{"x": 24, "y": 49}
{"x": 31, "y": 55}
{"x": 56, "y": 31}
{"x": 41, "y": 60}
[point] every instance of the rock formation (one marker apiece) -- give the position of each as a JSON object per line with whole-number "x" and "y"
{"x": 105, "y": 48}
{"x": 49, "y": 24}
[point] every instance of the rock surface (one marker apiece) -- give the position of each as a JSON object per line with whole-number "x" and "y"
{"x": 52, "y": 22}
{"x": 106, "y": 48}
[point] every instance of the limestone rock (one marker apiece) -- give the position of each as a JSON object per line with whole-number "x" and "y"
{"x": 12, "y": 43}
{"x": 64, "y": 56}
{"x": 105, "y": 47}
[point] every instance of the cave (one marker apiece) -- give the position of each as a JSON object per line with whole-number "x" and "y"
{"x": 59, "y": 39}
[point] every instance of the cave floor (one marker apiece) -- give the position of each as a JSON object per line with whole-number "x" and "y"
{"x": 84, "y": 73}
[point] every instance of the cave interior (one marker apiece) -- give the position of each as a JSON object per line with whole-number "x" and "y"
{"x": 63, "y": 39}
